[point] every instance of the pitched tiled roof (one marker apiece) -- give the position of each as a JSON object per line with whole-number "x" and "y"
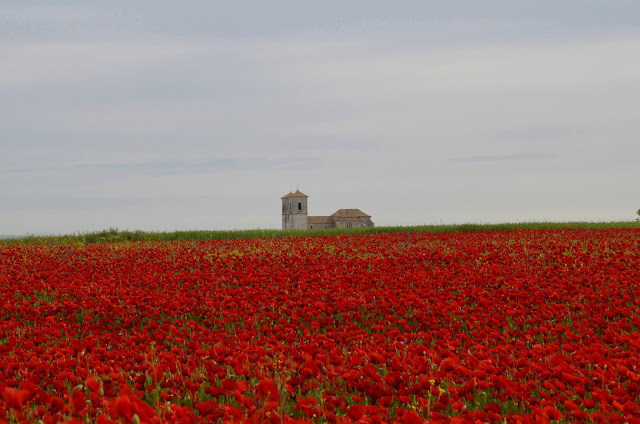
{"x": 350, "y": 213}
{"x": 316, "y": 220}
{"x": 298, "y": 193}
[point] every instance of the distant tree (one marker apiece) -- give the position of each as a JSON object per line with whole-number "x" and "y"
{"x": 638, "y": 213}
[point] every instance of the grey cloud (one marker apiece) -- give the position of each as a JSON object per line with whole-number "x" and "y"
{"x": 47, "y": 63}
{"x": 540, "y": 133}
{"x": 212, "y": 166}
{"x": 503, "y": 158}
{"x": 257, "y": 18}
{"x": 179, "y": 167}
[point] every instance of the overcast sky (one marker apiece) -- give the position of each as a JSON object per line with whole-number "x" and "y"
{"x": 165, "y": 115}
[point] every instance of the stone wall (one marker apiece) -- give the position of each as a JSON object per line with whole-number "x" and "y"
{"x": 296, "y": 221}
{"x": 353, "y": 222}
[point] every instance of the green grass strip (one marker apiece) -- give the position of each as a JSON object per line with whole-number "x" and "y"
{"x": 116, "y": 235}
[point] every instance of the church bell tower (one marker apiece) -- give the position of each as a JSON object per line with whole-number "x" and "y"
{"x": 294, "y": 211}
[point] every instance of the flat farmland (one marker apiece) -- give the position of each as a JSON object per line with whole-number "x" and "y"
{"x": 488, "y": 326}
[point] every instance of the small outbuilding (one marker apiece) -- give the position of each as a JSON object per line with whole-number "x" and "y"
{"x": 348, "y": 218}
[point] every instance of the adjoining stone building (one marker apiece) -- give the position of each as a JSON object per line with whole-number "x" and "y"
{"x": 295, "y": 215}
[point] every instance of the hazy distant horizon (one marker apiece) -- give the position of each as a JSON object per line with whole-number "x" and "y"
{"x": 162, "y": 116}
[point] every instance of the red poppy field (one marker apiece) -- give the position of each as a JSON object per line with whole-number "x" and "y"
{"x": 516, "y": 326}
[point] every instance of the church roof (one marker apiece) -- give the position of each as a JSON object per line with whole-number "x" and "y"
{"x": 298, "y": 193}
{"x": 315, "y": 220}
{"x": 350, "y": 213}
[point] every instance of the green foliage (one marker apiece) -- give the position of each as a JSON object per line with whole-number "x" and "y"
{"x": 115, "y": 235}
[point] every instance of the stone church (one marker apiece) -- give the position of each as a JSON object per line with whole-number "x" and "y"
{"x": 295, "y": 216}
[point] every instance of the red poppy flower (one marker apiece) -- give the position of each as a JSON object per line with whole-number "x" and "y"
{"x": 126, "y": 406}
{"x": 14, "y": 398}
{"x": 78, "y": 400}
